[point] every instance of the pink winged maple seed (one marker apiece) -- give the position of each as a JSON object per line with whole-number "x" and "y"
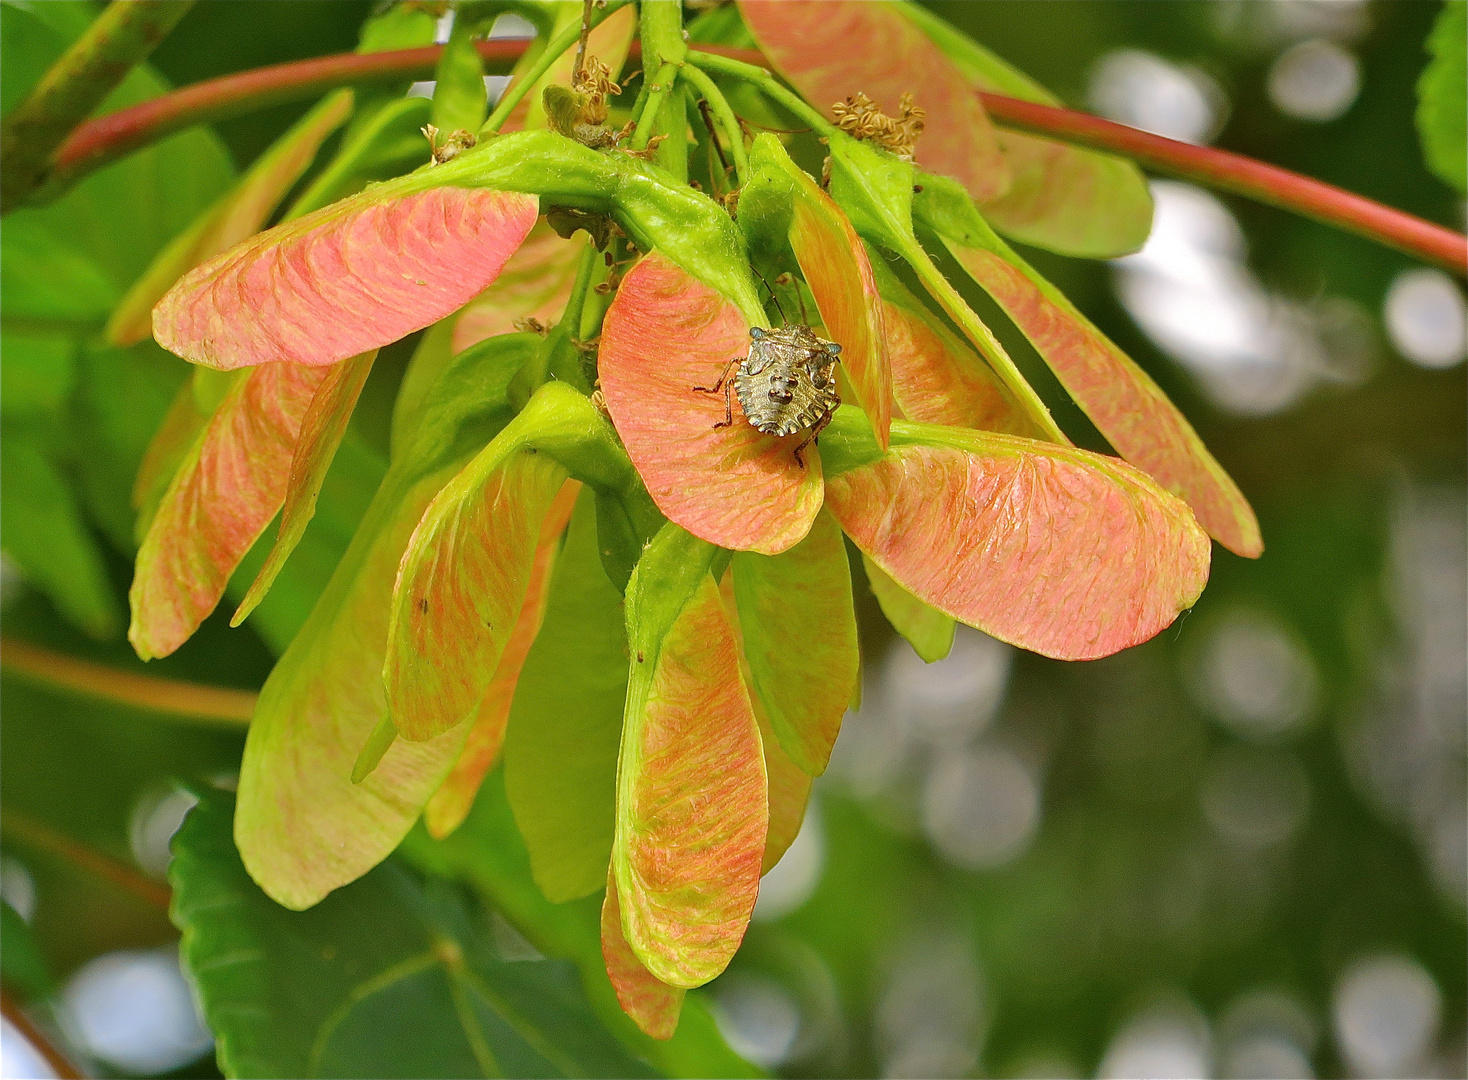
{"x": 826, "y": 48}
{"x": 937, "y": 379}
{"x": 835, "y": 266}
{"x": 223, "y": 496}
{"x": 665, "y": 334}
{"x": 653, "y": 1004}
{"x": 349, "y": 278}
{"x": 238, "y": 214}
{"x": 1060, "y": 551}
{"x": 692, "y": 811}
{"x": 1126, "y": 405}
{"x": 461, "y": 588}
{"x": 534, "y": 284}
{"x": 451, "y": 803}
{"x": 322, "y": 429}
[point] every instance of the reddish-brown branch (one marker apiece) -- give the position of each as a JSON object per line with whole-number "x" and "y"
{"x": 109, "y": 137}
{"x": 214, "y": 705}
{"x": 60, "y": 1064}
{"x": 1240, "y": 175}
{"x": 44, "y": 838}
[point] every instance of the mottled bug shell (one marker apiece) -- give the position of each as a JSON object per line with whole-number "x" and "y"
{"x": 788, "y": 380}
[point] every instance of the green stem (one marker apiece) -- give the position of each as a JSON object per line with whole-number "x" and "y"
{"x": 724, "y": 114}
{"x": 118, "y": 39}
{"x": 580, "y": 289}
{"x": 657, "y": 92}
{"x": 984, "y": 340}
{"x": 558, "y": 46}
{"x": 768, "y": 85}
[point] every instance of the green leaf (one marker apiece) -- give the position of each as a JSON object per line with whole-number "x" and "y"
{"x": 23, "y": 969}
{"x": 336, "y": 991}
{"x": 47, "y": 281}
{"x": 566, "y": 722}
{"x": 1442, "y": 97}
{"x": 37, "y": 372}
{"x": 123, "y": 396}
{"x": 487, "y": 853}
{"x": 45, "y": 534}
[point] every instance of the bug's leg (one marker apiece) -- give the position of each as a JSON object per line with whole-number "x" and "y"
{"x": 814, "y": 431}
{"x": 715, "y": 388}
{"x": 728, "y": 405}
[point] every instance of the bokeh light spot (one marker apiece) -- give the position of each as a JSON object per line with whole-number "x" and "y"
{"x": 1427, "y": 318}
{"x": 134, "y": 1011}
{"x": 1314, "y": 80}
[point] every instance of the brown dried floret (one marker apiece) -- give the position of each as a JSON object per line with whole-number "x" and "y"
{"x": 860, "y": 117}
{"x": 450, "y": 146}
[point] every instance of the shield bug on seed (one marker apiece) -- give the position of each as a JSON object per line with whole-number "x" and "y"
{"x": 786, "y": 383}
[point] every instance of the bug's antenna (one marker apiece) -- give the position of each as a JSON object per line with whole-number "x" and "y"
{"x": 786, "y": 279}
{"x": 773, "y": 297}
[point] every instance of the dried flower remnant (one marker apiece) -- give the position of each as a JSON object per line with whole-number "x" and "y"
{"x": 860, "y": 118}
{"x": 580, "y": 113}
{"x": 451, "y": 146}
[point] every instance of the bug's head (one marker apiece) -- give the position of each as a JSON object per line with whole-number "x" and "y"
{"x": 833, "y": 348}
{"x": 756, "y": 332}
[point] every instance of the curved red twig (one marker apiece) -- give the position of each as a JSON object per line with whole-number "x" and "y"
{"x": 109, "y": 137}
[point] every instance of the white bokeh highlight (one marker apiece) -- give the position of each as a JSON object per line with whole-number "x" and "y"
{"x": 134, "y": 1011}
{"x": 793, "y": 880}
{"x": 1314, "y": 80}
{"x": 1253, "y": 352}
{"x": 1163, "y": 1042}
{"x": 757, "y": 1016}
{"x": 1426, "y": 318}
{"x": 1386, "y": 1011}
{"x": 1145, "y": 91}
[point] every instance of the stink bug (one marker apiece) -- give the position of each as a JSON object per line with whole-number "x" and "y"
{"x": 786, "y": 382}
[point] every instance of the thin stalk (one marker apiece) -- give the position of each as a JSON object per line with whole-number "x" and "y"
{"x": 727, "y": 120}
{"x": 657, "y": 92}
{"x": 984, "y": 340}
{"x": 719, "y": 175}
{"x": 116, "y": 41}
{"x": 557, "y": 47}
{"x": 580, "y": 289}
{"x": 767, "y": 83}
{"x": 44, "y": 838}
{"x": 195, "y": 703}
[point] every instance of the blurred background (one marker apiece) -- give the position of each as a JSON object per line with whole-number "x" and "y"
{"x": 1237, "y": 851}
